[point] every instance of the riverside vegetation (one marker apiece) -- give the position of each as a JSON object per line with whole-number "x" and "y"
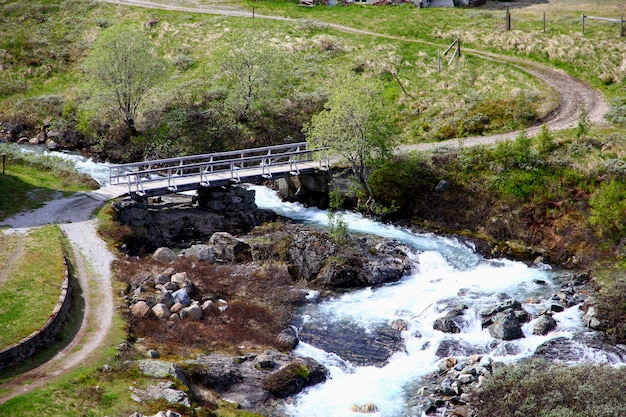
{"x": 559, "y": 195}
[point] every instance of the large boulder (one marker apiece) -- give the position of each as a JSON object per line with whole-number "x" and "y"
{"x": 314, "y": 256}
{"x": 506, "y": 326}
{"x": 505, "y": 320}
{"x": 202, "y": 253}
{"x": 309, "y": 251}
{"x": 294, "y": 377}
{"x": 174, "y": 223}
{"x": 229, "y": 248}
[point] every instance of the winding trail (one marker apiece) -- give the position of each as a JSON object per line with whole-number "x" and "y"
{"x": 93, "y": 259}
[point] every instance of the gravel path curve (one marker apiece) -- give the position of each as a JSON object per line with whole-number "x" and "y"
{"x": 93, "y": 270}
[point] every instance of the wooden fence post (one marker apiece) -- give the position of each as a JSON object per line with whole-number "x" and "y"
{"x": 507, "y": 18}
{"x": 621, "y": 26}
{"x": 544, "y": 21}
{"x": 438, "y": 59}
{"x": 583, "y": 24}
{"x": 458, "y": 46}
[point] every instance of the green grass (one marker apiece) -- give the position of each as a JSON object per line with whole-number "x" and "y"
{"x": 30, "y": 180}
{"x": 33, "y": 286}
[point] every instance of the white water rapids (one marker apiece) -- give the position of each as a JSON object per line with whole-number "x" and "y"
{"x": 447, "y": 274}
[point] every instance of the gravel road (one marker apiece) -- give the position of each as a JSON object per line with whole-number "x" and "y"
{"x": 74, "y": 215}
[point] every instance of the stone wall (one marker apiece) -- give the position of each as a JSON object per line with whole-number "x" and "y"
{"x": 45, "y": 336}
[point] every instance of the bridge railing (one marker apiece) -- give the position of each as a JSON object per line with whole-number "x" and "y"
{"x": 234, "y": 165}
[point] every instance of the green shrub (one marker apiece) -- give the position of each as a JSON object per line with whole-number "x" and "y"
{"x": 182, "y": 62}
{"x": 541, "y": 389}
{"x": 617, "y": 111}
{"x": 398, "y": 182}
{"x": 608, "y": 209}
{"x": 544, "y": 141}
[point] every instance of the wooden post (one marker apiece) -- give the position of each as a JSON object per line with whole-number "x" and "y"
{"x": 458, "y": 46}
{"x": 621, "y": 26}
{"x": 253, "y": 12}
{"x": 507, "y": 19}
{"x": 544, "y": 21}
{"x": 438, "y": 59}
{"x": 583, "y": 24}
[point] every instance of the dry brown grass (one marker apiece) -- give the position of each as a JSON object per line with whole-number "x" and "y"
{"x": 259, "y": 304}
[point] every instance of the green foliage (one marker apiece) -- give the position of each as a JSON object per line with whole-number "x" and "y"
{"x": 541, "y": 389}
{"x": 522, "y": 149}
{"x": 122, "y": 67}
{"x": 617, "y": 111}
{"x": 608, "y": 209}
{"x": 254, "y": 73}
{"x": 337, "y": 226}
{"x": 544, "y": 141}
{"x": 355, "y": 125}
{"x": 398, "y": 182}
{"x": 182, "y": 62}
{"x": 584, "y": 124}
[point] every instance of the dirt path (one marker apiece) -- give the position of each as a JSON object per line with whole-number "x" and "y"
{"x": 93, "y": 269}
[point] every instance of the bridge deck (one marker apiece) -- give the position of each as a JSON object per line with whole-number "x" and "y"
{"x": 158, "y": 177}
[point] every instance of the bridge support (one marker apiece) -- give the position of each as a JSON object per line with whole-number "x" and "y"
{"x": 310, "y": 189}
{"x": 226, "y": 199}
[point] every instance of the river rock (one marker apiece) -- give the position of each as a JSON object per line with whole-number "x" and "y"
{"x": 164, "y": 255}
{"x": 181, "y": 296}
{"x": 161, "y": 390}
{"x": 166, "y": 298}
{"x": 446, "y": 325}
{"x": 160, "y": 369}
{"x": 229, "y": 248}
{"x": 193, "y": 312}
{"x": 591, "y": 320}
{"x": 309, "y": 251}
{"x": 264, "y": 361}
{"x": 202, "y": 253}
{"x": 544, "y": 325}
{"x": 367, "y": 408}
{"x": 506, "y": 326}
{"x": 161, "y": 311}
{"x": 236, "y": 379}
{"x": 140, "y": 309}
{"x": 294, "y": 377}
{"x": 288, "y": 338}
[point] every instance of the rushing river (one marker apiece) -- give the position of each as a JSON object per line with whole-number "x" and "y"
{"x": 447, "y": 273}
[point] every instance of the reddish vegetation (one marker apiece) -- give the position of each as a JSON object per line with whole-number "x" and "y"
{"x": 260, "y": 301}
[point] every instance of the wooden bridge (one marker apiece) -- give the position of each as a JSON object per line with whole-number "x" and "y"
{"x": 164, "y": 176}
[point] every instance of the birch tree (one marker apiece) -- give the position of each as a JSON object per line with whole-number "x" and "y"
{"x": 122, "y": 67}
{"x": 355, "y": 125}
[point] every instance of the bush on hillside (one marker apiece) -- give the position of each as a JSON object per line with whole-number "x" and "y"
{"x": 608, "y": 209}
{"x": 399, "y": 183}
{"x": 542, "y": 389}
